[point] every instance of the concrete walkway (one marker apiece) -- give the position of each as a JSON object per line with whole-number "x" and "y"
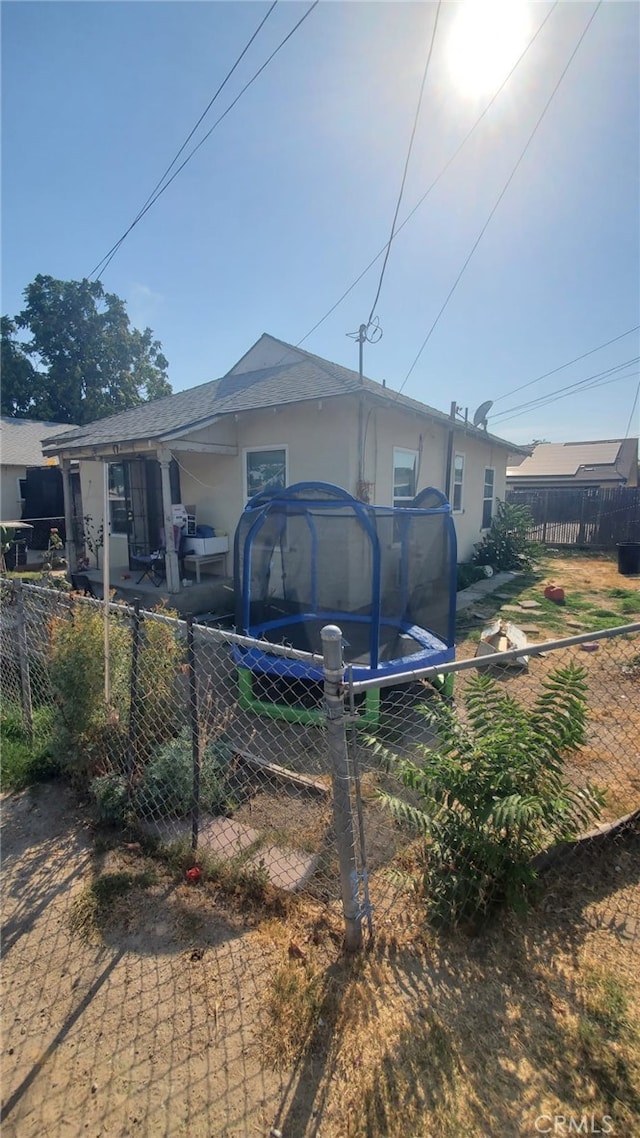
{"x": 475, "y": 594}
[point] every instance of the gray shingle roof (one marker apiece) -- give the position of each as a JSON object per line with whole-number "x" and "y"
{"x": 298, "y": 376}
{"x": 21, "y": 440}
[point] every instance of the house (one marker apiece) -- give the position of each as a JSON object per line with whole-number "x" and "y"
{"x": 30, "y": 484}
{"x": 605, "y": 463}
{"x": 280, "y": 415}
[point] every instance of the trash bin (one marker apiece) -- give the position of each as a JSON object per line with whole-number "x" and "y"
{"x": 629, "y": 558}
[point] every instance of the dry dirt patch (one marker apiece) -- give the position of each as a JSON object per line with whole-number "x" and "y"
{"x": 191, "y": 1013}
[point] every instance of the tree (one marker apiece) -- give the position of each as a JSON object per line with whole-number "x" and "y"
{"x": 19, "y": 377}
{"x": 83, "y": 359}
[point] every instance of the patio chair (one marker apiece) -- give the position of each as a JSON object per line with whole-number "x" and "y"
{"x": 153, "y": 564}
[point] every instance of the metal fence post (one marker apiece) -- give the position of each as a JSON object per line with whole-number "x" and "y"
{"x": 23, "y": 659}
{"x": 333, "y": 668}
{"x": 195, "y": 734}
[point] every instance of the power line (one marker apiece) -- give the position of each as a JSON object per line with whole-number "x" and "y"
{"x": 434, "y": 183}
{"x": 549, "y": 397}
{"x": 635, "y": 403}
{"x": 407, "y": 160}
{"x": 502, "y": 194}
{"x": 190, "y": 135}
{"x": 112, "y": 252}
{"x": 562, "y": 366}
{"x": 568, "y": 394}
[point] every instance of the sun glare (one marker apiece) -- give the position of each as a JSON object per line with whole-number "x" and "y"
{"x": 486, "y": 40}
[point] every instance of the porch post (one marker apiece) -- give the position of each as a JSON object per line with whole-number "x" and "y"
{"x": 70, "y": 545}
{"x": 171, "y": 555}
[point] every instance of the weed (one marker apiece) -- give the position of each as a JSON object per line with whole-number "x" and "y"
{"x": 23, "y": 761}
{"x": 90, "y": 909}
{"x": 293, "y": 1007}
{"x": 606, "y": 1003}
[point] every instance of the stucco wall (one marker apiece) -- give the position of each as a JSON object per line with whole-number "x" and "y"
{"x": 477, "y": 456}
{"x": 10, "y": 500}
{"x": 321, "y": 439}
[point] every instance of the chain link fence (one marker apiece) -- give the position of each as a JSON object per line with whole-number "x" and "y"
{"x": 319, "y": 785}
{"x": 535, "y": 749}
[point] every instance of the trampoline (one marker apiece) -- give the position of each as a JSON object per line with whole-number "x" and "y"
{"x": 311, "y": 555}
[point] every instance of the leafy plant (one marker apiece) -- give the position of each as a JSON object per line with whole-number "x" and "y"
{"x": 506, "y": 545}
{"x": 52, "y": 558}
{"x": 87, "y": 732}
{"x": 166, "y": 787}
{"x": 493, "y": 794}
{"x": 112, "y": 798}
{"x": 158, "y": 698}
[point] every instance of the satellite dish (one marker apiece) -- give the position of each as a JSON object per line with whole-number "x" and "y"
{"x": 480, "y": 417}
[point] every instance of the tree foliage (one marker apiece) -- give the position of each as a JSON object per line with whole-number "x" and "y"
{"x": 494, "y": 793}
{"x": 81, "y": 359}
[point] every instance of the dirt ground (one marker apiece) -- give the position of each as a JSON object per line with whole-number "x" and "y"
{"x": 176, "y": 1010}
{"x": 611, "y": 757}
{"x": 188, "y": 1012}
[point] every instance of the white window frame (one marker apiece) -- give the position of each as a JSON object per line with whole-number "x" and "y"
{"x": 484, "y": 496}
{"x": 459, "y": 509}
{"x": 401, "y": 500}
{"x": 246, "y": 451}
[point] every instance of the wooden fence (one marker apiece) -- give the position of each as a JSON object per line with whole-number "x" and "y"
{"x": 590, "y": 518}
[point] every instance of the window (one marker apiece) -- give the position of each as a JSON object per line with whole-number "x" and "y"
{"x": 405, "y": 476}
{"x": 118, "y": 492}
{"x": 458, "y": 480}
{"x": 487, "y": 499}
{"x": 265, "y": 468}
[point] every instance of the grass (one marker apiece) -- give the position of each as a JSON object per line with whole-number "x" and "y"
{"x": 588, "y": 602}
{"x": 23, "y": 761}
{"x": 236, "y": 876}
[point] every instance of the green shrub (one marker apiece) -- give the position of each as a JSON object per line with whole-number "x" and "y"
{"x": 506, "y": 545}
{"x": 87, "y": 733}
{"x": 166, "y": 786}
{"x": 112, "y": 798}
{"x": 160, "y": 700}
{"x": 493, "y": 794}
{"x": 93, "y": 737}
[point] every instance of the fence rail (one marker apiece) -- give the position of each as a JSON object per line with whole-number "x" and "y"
{"x": 185, "y": 755}
{"x": 594, "y": 518}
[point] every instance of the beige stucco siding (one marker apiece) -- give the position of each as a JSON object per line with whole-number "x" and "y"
{"x": 321, "y": 441}
{"x": 10, "y": 504}
{"x": 477, "y": 457}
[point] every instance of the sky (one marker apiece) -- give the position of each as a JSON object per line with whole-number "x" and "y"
{"x": 294, "y": 193}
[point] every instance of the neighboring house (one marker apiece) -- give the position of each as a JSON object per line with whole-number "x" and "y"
{"x": 603, "y": 463}
{"x": 31, "y": 485}
{"x": 281, "y": 415}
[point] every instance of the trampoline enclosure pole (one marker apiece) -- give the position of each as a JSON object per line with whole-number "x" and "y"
{"x": 333, "y": 668}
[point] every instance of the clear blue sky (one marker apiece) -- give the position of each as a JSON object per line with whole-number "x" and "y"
{"x": 294, "y": 193}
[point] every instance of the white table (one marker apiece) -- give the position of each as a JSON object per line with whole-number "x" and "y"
{"x": 200, "y": 559}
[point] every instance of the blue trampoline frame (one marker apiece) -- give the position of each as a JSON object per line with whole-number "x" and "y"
{"x": 252, "y": 661}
